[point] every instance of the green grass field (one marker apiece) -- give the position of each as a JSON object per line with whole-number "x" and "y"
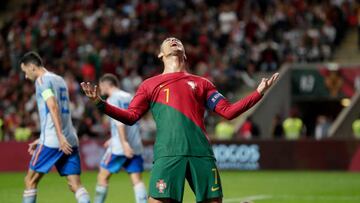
{"x": 262, "y": 187}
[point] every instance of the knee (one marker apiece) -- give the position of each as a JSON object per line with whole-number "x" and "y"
{"x": 30, "y": 182}
{"x": 136, "y": 179}
{"x": 74, "y": 186}
{"x": 102, "y": 179}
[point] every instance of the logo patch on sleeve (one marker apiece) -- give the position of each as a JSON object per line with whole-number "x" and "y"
{"x": 214, "y": 99}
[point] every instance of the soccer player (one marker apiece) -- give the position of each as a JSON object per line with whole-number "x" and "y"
{"x": 177, "y": 101}
{"x": 58, "y": 142}
{"x": 123, "y": 148}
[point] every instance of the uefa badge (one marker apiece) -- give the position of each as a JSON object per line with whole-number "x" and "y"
{"x": 161, "y": 186}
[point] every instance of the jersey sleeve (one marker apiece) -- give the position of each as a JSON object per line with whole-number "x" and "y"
{"x": 213, "y": 96}
{"x": 45, "y": 87}
{"x": 219, "y": 104}
{"x": 137, "y": 107}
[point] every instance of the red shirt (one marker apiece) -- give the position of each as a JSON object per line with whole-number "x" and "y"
{"x": 178, "y": 102}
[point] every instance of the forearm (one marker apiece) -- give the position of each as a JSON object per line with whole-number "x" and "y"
{"x": 122, "y": 134}
{"x": 55, "y": 115}
{"x": 230, "y": 111}
{"x": 127, "y": 117}
{"x": 36, "y": 141}
{"x": 54, "y": 112}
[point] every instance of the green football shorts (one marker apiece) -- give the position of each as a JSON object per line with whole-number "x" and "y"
{"x": 169, "y": 173}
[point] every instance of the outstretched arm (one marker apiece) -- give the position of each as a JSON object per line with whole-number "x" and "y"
{"x": 137, "y": 107}
{"x": 230, "y": 111}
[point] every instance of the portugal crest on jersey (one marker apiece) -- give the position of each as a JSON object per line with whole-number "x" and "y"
{"x": 161, "y": 186}
{"x": 191, "y": 84}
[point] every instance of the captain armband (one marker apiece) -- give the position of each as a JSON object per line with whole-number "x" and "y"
{"x": 46, "y": 94}
{"x": 213, "y": 100}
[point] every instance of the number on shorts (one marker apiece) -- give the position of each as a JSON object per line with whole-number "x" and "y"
{"x": 215, "y": 175}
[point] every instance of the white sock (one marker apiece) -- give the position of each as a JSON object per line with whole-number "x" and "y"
{"x": 140, "y": 193}
{"x": 82, "y": 195}
{"x": 101, "y": 192}
{"x": 29, "y": 196}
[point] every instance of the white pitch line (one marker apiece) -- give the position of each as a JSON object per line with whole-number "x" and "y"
{"x": 318, "y": 197}
{"x": 291, "y": 197}
{"x": 248, "y": 198}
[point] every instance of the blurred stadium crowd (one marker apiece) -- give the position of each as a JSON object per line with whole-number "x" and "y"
{"x": 226, "y": 41}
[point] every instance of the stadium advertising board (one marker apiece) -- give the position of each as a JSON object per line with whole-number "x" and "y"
{"x": 245, "y": 155}
{"x": 237, "y": 156}
{"x": 233, "y": 156}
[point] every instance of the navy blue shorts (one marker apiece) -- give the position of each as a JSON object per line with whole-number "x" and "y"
{"x": 113, "y": 163}
{"x": 44, "y": 158}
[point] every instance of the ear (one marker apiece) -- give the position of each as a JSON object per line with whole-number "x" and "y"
{"x": 160, "y": 55}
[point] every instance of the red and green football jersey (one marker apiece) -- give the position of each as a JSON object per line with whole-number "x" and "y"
{"x": 178, "y": 102}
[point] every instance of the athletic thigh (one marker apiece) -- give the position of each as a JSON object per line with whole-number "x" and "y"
{"x": 168, "y": 178}
{"x": 204, "y": 178}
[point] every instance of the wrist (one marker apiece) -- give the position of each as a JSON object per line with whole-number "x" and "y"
{"x": 99, "y": 103}
{"x": 97, "y": 100}
{"x": 61, "y": 136}
{"x": 260, "y": 92}
{"x": 124, "y": 144}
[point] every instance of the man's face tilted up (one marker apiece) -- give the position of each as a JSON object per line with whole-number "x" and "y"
{"x": 172, "y": 47}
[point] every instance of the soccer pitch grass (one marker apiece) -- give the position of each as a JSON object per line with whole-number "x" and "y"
{"x": 259, "y": 186}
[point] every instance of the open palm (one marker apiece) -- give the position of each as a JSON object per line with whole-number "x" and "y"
{"x": 266, "y": 83}
{"x": 91, "y": 91}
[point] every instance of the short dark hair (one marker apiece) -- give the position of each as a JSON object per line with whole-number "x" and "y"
{"x": 110, "y": 78}
{"x": 33, "y": 58}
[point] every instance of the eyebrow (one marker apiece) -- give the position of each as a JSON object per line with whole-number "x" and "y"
{"x": 167, "y": 39}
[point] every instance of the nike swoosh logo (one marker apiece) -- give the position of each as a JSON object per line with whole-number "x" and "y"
{"x": 213, "y": 189}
